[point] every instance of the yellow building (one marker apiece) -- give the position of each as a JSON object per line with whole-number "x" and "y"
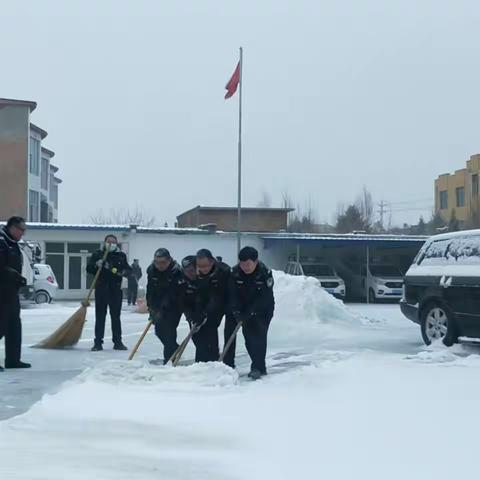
{"x": 460, "y": 192}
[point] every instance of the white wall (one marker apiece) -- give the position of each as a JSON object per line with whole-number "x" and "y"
{"x": 142, "y": 245}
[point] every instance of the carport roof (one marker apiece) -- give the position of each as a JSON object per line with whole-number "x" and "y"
{"x": 342, "y": 240}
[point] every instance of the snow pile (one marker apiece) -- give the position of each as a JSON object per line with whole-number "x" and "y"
{"x": 193, "y": 377}
{"x": 305, "y": 312}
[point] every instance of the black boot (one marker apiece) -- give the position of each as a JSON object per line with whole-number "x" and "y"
{"x": 119, "y": 346}
{"x": 1, "y": 368}
{"x": 18, "y": 364}
{"x": 97, "y": 347}
{"x": 255, "y": 374}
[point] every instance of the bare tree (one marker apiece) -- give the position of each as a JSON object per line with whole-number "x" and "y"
{"x": 123, "y": 216}
{"x": 265, "y": 199}
{"x": 287, "y": 202}
{"x": 364, "y": 203}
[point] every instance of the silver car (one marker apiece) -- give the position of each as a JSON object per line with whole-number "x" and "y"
{"x": 44, "y": 283}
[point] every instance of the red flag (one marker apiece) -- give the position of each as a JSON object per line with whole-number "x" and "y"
{"x": 232, "y": 84}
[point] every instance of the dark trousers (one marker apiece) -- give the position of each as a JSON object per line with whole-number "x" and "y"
{"x": 166, "y": 330}
{"x": 206, "y": 340}
{"x": 11, "y": 328}
{"x": 230, "y": 324}
{"x": 111, "y": 297}
{"x": 255, "y": 332}
{"x": 132, "y": 293}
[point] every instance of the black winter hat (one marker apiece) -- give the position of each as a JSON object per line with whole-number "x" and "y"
{"x": 248, "y": 253}
{"x": 162, "y": 253}
{"x": 188, "y": 261}
{"x": 204, "y": 252}
{"x": 110, "y": 236}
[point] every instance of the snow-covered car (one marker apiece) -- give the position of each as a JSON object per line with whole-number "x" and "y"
{"x": 442, "y": 288}
{"x": 325, "y": 274}
{"x": 44, "y": 283}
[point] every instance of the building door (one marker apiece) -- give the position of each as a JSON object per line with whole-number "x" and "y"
{"x": 78, "y": 278}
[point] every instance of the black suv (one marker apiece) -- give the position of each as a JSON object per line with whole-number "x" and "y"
{"x": 442, "y": 288}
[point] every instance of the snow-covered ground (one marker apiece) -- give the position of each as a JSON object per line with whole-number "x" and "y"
{"x": 352, "y": 394}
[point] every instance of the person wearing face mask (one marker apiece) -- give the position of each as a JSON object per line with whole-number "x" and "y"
{"x": 252, "y": 303}
{"x": 108, "y": 290}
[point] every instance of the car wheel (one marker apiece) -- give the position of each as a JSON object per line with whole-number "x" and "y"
{"x": 371, "y": 296}
{"x": 42, "y": 297}
{"x": 437, "y": 323}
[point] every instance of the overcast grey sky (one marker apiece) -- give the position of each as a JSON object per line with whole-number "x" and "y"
{"x": 336, "y": 95}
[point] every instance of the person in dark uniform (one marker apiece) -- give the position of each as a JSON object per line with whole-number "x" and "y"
{"x": 251, "y": 302}
{"x": 212, "y": 283}
{"x": 188, "y": 291}
{"x": 164, "y": 276}
{"x": 108, "y": 290}
{"x": 133, "y": 278}
{"x": 11, "y": 279}
{"x": 190, "y": 304}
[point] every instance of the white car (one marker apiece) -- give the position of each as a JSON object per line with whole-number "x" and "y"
{"x": 44, "y": 283}
{"x": 328, "y": 278}
{"x": 384, "y": 282}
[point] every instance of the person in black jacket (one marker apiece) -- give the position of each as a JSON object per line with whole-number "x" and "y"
{"x": 188, "y": 291}
{"x": 252, "y": 303}
{"x": 212, "y": 282}
{"x": 133, "y": 278}
{"x": 164, "y": 276}
{"x": 11, "y": 279}
{"x": 108, "y": 290}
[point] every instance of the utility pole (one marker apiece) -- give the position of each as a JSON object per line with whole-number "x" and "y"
{"x": 381, "y": 212}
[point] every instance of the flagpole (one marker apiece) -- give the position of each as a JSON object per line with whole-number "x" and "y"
{"x": 239, "y": 205}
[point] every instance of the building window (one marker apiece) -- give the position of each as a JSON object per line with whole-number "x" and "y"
{"x": 45, "y": 173}
{"x": 33, "y": 206}
{"x": 460, "y": 193}
{"x": 475, "y": 184}
{"x": 443, "y": 200}
{"x": 34, "y": 156}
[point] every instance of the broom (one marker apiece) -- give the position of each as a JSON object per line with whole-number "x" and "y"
{"x": 68, "y": 334}
{"x": 140, "y": 340}
{"x": 230, "y": 341}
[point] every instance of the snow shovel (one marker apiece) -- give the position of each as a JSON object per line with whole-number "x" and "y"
{"x": 68, "y": 334}
{"x": 140, "y": 340}
{"x": 230, "y": 341}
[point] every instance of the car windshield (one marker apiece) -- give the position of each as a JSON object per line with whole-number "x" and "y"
{"x": 318, "y": 270}
{"x": 385, "y": 271}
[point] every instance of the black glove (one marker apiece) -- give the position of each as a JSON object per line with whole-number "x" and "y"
{"x": 156, "y": 316}
{"x": 22, "y": 281}
{"x": 238, "y": 317}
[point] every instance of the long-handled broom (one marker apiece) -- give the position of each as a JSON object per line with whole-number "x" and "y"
{"x": 230, "y": 341}
{"x": 175, "y": 358}
{"x": 68, "y": 334}
{"x": 140, "y": 340}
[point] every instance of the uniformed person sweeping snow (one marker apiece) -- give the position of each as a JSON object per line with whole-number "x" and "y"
{"x": 188, "y": 291}
{"x": 212, "y": 282}
{"x": 11, "y": 279}
{"x": 108, "y": 290}
{"x": 164, "y": 276}
{"x": 251, "y": 302}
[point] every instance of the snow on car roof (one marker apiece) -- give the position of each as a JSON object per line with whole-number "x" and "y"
{"x": 463, "y": 233}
